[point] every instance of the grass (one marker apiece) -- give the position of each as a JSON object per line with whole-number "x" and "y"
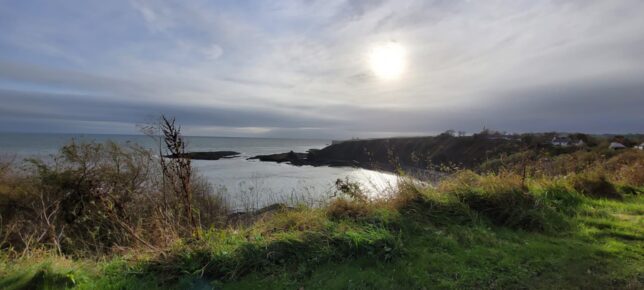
{"x": 605, "y": 251}
{"x": 473, "y": 231}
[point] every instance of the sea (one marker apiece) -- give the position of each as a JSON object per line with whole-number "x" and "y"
{"x": 244, "y": 184}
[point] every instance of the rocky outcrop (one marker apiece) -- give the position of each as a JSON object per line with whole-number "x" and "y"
{"x": 409, "y": 154}
{"x": 211, "y": 155}
{"x": 290, "y": 157}
{"x": 299, "y": 159}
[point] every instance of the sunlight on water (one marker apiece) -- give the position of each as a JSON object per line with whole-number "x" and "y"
{"x": 251, "y": 184}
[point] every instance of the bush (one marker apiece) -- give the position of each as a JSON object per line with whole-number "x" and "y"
{"x": 502, "y": 198}
{"x": 556, "y": 194}
{"x": 91, "y": 198}
{"x": 209, "y": 204}
{"x": 595, "y": 184}
{"x": 353, "y": 203}
{"x": 81, "y": 201}
{"x": 628, "y": 168}
{"x": 342, "y": 208}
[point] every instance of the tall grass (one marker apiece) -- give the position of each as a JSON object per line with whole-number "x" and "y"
{"x": 503, "y": 198}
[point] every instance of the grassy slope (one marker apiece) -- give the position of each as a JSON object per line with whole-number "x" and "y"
{"x": 604, "y": 251}
{"x": 441, "y": 246}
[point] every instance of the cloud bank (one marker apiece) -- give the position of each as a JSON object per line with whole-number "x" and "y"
{"x": 299, "y": 68}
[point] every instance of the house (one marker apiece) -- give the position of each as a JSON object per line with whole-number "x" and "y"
{"x": 616, "y": 146}
{"x": 561, "y": 141}
{"x": 640, "y": 147}
{"x": 579, "y": 143}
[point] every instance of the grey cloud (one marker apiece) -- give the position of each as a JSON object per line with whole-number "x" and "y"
{"x": 34, "y": 105}
{"x": 298, "y": 68}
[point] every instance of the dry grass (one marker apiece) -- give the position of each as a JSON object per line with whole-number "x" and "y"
{"x": 628, "y": 168}
{"x": 299, "y": 219}
{"x": 344, "y": 208}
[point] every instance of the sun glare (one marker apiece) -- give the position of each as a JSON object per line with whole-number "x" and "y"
{"x": 388, "y": 60}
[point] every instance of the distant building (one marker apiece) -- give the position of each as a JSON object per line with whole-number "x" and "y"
{"x": 580, "y": 143}
{"x": 561, "y": 141}
{"x": 616, "y": 146}
{"x": 640, "y": 147}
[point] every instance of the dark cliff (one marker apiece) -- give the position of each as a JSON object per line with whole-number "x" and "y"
{"x": 417, "y": 152}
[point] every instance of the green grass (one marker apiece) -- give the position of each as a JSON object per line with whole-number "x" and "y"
{"x": 605, "y": 251}
{"x": 432, "y": 240}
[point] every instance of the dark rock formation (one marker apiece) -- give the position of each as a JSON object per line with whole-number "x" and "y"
{"x": 291, "y": 157}
{"x": 409, "y": 154}
{"x": 212, "y": 155}
{"x": 299, "y": 159}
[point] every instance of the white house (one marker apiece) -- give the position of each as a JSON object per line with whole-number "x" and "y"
{"x": 561, "y": 141}
{"x": 640, "y": 147}
{"x": 616, "y": 146}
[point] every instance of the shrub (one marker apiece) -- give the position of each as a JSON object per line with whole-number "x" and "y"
{"x": 594, "y": 183}
{"x": 91, "y": 198}
{"x": 556, "y": 194}
{"x": 353, "y": 203}
{"x": 502, "y": 198}
{"x": 343, "y": 208}
{"x": 82, "y": 200}
{"x": 628, "y": 168}
{"x": 210, "y": 206}
{"x": 408, "y": 191}
{"x": 350, "y": 189}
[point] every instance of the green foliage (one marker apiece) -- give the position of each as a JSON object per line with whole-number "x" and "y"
{"x": 41, "y": 270}
{"x": 558, "y": 195}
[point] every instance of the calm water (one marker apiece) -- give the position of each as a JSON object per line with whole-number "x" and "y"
{"x": 244, "y": 183}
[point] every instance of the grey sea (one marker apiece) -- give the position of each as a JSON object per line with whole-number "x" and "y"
{"x": 244, "y": 184}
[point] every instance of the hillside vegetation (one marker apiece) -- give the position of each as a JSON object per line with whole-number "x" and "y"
{"x": 447, "y": 152}
{"x": 419, "y": 152}
{"x": 97, "y": 219}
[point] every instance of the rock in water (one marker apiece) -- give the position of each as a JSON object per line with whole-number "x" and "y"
{"x": 212, "y": 155}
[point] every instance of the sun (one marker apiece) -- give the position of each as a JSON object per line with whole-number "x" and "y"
{"x": 388, "y": 60}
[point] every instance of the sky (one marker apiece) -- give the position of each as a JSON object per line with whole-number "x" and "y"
{"x": 300, "y": 69}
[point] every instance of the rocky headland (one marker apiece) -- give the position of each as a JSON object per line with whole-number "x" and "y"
{"x": 407, "y": 153}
